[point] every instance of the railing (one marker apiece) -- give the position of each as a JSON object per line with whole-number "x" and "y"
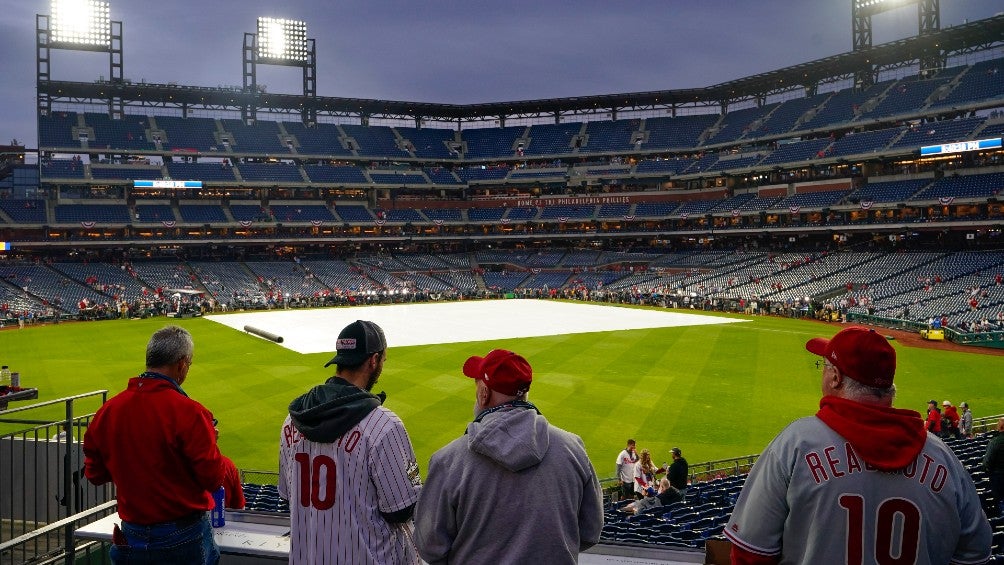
{"x": 54, "y": 543}
{"x": 41, "y": 476}
{"x": 702, "y": 472}
{"x": 980, "y": 339}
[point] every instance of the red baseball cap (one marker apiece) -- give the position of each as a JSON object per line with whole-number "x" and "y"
{"x": 502, "y": 371}
{"x": 860, "y": 353}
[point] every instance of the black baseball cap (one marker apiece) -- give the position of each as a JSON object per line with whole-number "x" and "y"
{"x": 356, "y": 342}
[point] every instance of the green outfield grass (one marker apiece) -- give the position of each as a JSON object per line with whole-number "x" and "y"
{"x": 715, "y": 391}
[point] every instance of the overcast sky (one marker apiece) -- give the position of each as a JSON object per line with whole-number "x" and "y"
{"x": 457, "y": 51}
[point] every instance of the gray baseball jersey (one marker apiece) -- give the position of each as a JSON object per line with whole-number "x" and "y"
{"x": 810, "y": 498}
{"x": 336, "y": 492}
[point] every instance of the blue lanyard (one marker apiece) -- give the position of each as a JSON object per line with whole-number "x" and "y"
{"x": 163, "y": 377}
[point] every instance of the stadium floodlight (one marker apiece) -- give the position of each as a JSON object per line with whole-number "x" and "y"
{"x": 282, "y": 40}
{"x": 81, "y": 22}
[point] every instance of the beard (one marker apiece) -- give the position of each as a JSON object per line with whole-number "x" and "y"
{"x": 372, "y": 380}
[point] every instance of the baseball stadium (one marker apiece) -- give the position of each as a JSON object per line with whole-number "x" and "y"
{"x": 659, "y": 258}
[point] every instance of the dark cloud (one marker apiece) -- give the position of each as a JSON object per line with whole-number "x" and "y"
{"x": 461, "y": 52}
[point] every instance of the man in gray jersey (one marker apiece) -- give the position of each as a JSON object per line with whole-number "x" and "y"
{"x": 513, "y": 488}
{"x": 861, "y": 481}
{"x": 346, "y": 464}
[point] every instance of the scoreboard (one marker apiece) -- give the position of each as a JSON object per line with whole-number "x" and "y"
{"x": 167, "y": 184}
{"x": 960, "y": 146}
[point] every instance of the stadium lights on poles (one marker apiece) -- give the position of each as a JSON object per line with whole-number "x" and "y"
{"x": 81, "y": 22}
{"x": 282, "y": 40}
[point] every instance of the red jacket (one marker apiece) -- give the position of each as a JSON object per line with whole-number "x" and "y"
{"x": 952, "y": 413}
{"x": 159, "y": 448}
{"x": 933, "y": 422}
{"x": 233, "y": 489}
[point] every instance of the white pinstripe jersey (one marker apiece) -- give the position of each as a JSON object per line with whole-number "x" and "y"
{"x": 337, "y": 490}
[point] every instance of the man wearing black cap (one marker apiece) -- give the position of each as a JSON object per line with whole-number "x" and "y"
{"x": 473, "y": 507}
{"x": 679, "y": 471}
{"x": 346, "y": 464}
{"x": 861, "y": 481}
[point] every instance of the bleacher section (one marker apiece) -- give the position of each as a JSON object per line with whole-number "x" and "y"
{"x": 440, "y": 175}
{"x": 319, "y": 139}
{"x": 970, "y": 186}
{"x": 24, "y": 210}
{"x": 552, "y": 139}
{"x": 301, "y": 213}
{"x": 677, "y": 133}
{"x": 154, "y": 213}
{"x": 606, "y": 136}
{"x": 123, "y": 173}
{"x": 270, "y": 172}
{"x": 189, "y": 134}
{"x": 129, "y": 132}
{"x": 938, "y": 132}
{"x": 797, "y": 151}
{"x": 261, "y": 137}
{"x": 339, "y": 174}
{"x": 374, "y": 141}
{"x": 739, "y": 123}
{"x": 56, "y": 130}
{"x": 206, "y": 172}
{"x": 787, "y": 114}
{"x": 892, "y": 191}
{"x": 62, "y": 169}
{"x": 430, "y": 143}
{"x": 353, "y": 213}
{"x": 864, "y": 142}
{"x": 980, "y": 82}
{"x": 202, "y": 213}
{"x": 100, "y": 213}
{"x": 488, "y": 143}
{"x": 398, "y": 178}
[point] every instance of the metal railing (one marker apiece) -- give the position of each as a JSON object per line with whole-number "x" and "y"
{"x": 709, "y": 470}
{"x": 37, "y": 546}
{"x": 982, "y": 339}
{"x": 41, "y": 477}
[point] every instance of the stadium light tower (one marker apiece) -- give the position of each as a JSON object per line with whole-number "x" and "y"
{"x": 78, "y": 25}
{"x": 280, "y": 42}
{"x": 929, "y": 22}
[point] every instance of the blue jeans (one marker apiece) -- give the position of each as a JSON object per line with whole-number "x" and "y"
{"x": 167, "y": 544}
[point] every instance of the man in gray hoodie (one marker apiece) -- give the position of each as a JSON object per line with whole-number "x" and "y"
{"x": 514, "y": 488}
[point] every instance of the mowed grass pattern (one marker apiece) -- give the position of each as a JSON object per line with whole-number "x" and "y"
{"x": 716, "y": 391}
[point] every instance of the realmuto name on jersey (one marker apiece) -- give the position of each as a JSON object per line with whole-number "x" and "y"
{"x": 835, "y": 462}
{"x": 347, "y": 441}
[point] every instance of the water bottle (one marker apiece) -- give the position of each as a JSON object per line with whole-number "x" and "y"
{"x": 15, "y": 380}
{"x": 217, "y": 517}
{"x": 5, "y": 376}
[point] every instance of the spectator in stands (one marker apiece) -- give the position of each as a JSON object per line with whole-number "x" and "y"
{"x": 679, "y": 471}
{"x": 933, "y": 421}
{"x": 844, "y": 485}
{"x": 993, "y": 462}
{"x": 950, "y": 420}
{"x": 665, "y": 496}
{"x": 966, "y": 421}
{"x": 626, "y": 460}
{"x": 469, "y": 510}
{"x": 159, "y": 448}
{"x": 644, "y": 475}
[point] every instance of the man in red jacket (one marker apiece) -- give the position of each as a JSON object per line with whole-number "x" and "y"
{"x": 159, "y": 448}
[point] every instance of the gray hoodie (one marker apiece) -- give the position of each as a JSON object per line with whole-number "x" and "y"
{"x": 514, "y": 489}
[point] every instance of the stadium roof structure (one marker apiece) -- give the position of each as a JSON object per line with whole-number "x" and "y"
{"x": 958, "y": 40}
